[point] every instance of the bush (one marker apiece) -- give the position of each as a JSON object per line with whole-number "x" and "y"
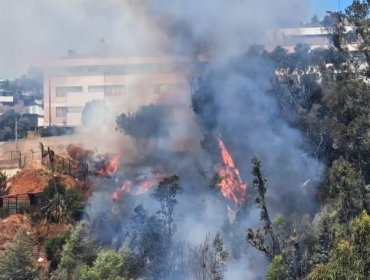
{"x": 55, "y": 243}
{"x": 19, "y": 261}
{"x": 53, "y": 248}
{"x": 108, "y": 265}
{"x": 74, "y": 199}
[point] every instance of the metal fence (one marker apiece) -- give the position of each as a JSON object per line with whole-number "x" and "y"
{"x": 62, "y": 164}
{"x": 20, "y": 203}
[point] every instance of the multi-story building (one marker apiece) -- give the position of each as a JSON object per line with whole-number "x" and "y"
{"x": 70, "y": 83}
{"x": 314, "y": 37}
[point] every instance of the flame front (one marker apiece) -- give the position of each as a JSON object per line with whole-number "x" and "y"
{"x": 230, "y": 183}
{"x": 111, "y": 167}
{"x": 139, "y": 186}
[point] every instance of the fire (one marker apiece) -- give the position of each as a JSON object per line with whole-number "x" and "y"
{"x": 142, "y": 184}
{"x": 126, "y": 188}
{"x": 231, "y": 185}
{"x": 111, "y": 167}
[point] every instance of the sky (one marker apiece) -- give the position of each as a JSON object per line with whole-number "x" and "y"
{"x": 319, "y": 7}
{"x": 38, "y": 30}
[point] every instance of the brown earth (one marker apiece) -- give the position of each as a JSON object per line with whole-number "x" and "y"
{"x": 39, "y": 232}
{"x": 33, "y": 179}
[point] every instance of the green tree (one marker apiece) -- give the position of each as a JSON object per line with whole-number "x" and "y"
{"x": 356, "y": 16}
{"x": 53, "y": 248}
{"x": 347, "y": 188}
{"x": 350, "y": 258}
{"x": 277, "y": 270}
{"x": 18, "y": 263}
{"x": 74, "y": 199}
{"x": 109, "y": 265}
{"x": 79, "y": 249}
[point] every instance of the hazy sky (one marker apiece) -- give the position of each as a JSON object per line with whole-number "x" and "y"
{"x": 319, "y": 7}
{"x": 35, "y": 30}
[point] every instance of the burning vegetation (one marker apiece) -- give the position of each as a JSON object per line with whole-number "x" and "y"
{"x": 152, "y": 214}
{"x": 230, "y": 183}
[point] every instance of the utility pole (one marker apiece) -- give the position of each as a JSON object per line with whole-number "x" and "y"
{"x": 16, "y": 133}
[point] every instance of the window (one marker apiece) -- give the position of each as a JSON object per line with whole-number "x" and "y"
{"x": 62, "y": 91}
{"x": 95, "y": 88}
{"x": 75, "y": 109}
{"x": 109, "y": 90}
{"x": 114, "y": 90}
{"x": 61, "y": 112}
{"x": 163, "y": 88}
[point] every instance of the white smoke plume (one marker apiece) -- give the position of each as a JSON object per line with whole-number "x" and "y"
{"x": 41, "y": 29}
{"x": 36, "y": 30}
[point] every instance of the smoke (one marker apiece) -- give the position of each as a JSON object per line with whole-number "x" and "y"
{"x": 242, "y": 107}
{"x": 37, "y": 30}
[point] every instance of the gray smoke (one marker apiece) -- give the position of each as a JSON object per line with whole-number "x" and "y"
{"x": 244, "y": 111}
{"x": 247, "y": 115}
{"x": 37, "y": 30}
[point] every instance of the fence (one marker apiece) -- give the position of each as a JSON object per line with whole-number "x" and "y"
{"x": 20, "y": 203}
{"x": 63, "y": 165}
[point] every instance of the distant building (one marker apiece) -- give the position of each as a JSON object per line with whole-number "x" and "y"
{"x": 314, "y": 37}
{"x": 70, "y": 83}
{"x": 35, "y": 114}
{"x": 6, "y": 97}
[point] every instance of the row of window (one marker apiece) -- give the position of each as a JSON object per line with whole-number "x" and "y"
{"x": 113, "y": 90}
{"x": 61, "y": 112}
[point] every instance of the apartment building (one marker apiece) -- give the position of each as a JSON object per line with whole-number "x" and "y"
{"x": 70, "y": 83}
{"x": 314, "y": 37}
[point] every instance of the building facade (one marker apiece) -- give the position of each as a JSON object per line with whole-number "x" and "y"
{"x": 314, "y": 37}
{"x": 70, "y": 83}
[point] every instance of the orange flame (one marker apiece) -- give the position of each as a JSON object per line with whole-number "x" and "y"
{"x": 144, "y": 184}
{"x": 111, "y": 167}
{"x": 126, "y": 188}
{"x": 231, "y": 185}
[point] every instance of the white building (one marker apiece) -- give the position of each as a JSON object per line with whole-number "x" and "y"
{"x": 70, "y": 83}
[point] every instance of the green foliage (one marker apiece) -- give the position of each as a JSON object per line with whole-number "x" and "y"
{"x": 54, "y": 244}
{"x": 7, "y": 125}
{"x": 347, "y": 187}
{"x": 348, "y": 104}
{"x": 109, "y": 265}
{"x": 19, "y": 261}
{"x": 74, "y": 199}
{"x": 79, "y": 249}
{"x": 279, "y": 222}
{"x": 350, "y": 258}
{"x": 277, "y": 269}
{"x": 63, "y": 205}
